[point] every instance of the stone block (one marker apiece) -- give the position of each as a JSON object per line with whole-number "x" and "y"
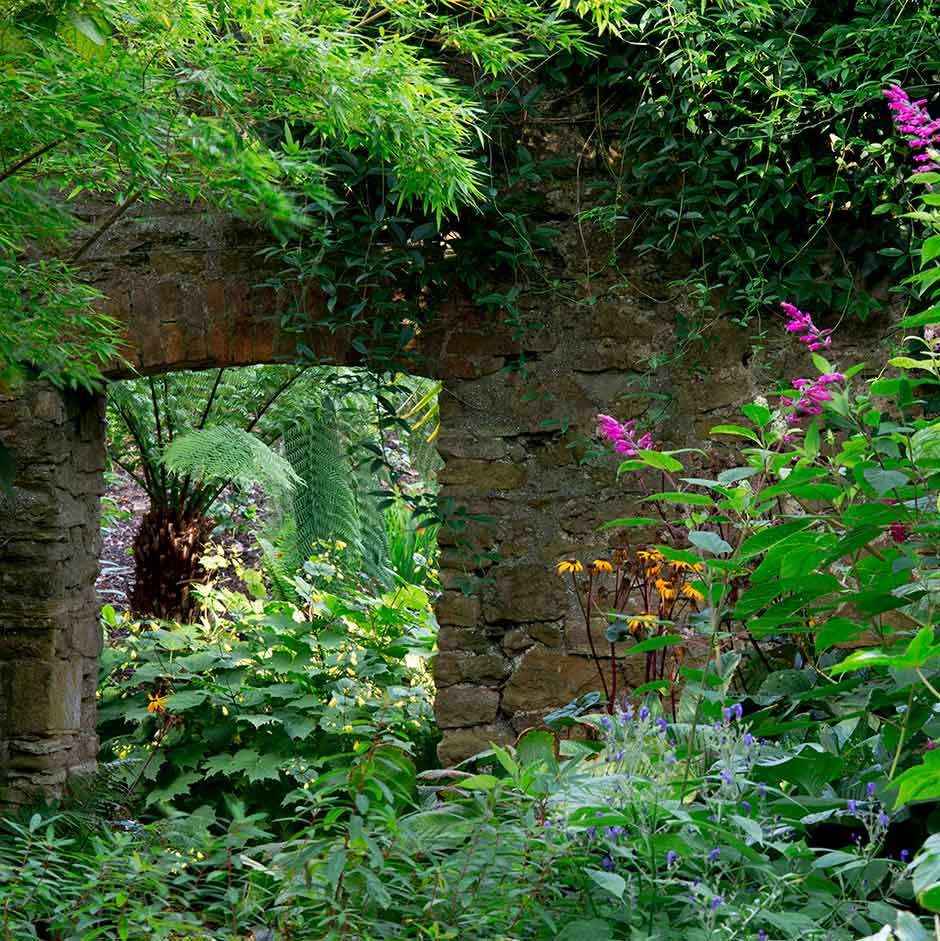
{"x": 464, "y": 705}
{"x": 451, "y": 668}
{"x": 479, "y": 475}
{"x": 524, "y": 592}
{"x": 546, "y": 679}
{"x": 44, "y": 696}
{"x": 459, "y": 744}
{"x": 457, "y": 609}
{"x": 472, "y": 640}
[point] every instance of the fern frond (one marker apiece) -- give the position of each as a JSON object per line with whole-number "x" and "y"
{"x": 325, "y": 509}
{"x": 226, "y": 453}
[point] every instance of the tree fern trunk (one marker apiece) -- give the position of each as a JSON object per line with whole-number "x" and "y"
{"x": 166, "y": 563}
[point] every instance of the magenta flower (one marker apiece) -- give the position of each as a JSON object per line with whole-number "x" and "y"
{"x": 802, "y": 323}
{"x": 914, "y": 120}
{"x": 623, "y": 435}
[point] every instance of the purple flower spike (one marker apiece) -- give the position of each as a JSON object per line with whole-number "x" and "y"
{"x": 883, "y": 820}
{"x": 853, "y": 807}
{"x": 623, "y": 436}
{"x": 726, "y": 714}
{"x": 738, "y": 710}
{"x": 870, "y": 790}
{"x": 913, "y": 119}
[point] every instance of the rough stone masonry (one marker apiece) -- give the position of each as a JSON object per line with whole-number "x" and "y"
{"x": 517, "y": 418}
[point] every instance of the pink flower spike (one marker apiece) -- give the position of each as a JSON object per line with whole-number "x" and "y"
{"x": 828, "y": 377}
{"x": 800, "y": 383}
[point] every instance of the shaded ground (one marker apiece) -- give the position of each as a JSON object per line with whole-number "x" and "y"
{"x": 124, "y": 503}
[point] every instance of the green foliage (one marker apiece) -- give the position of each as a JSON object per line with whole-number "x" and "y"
{"x": 139, "y": 101}
{"x": 228, "y": 454}
{"x": 752, "y": 140}
{"x": 326, "y": 508}
{"x": 260, "y": 697}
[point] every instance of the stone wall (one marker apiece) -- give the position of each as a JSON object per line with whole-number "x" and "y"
{"x": 524, "y": 475}
{"x": 50, "y": 638}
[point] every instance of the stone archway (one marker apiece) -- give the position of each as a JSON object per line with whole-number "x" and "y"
{"x": 184, "y": 284}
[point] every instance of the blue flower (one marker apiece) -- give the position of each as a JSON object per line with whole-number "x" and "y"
{"x": 853, "y": 807}
{"x": 644, "y": 713}
{"x": 626, "y": 716}
{"x": 883, "y": 819}
{"x": 726, "y": 713}
{"x": 749, "y": 741}
{"x": 714, "y": 854}
{"x": 871, "y": 789}
{"x": 607, "y": 723}
{"x": 608, "y": 863}
{"x": 727, "y": 776}
{"x": 904, "y": 855}
{"x": 662, "y": 725}
{"x": 738, "y": 710}
{"x": 747, "y": 807}
{"x": 619, "y": 755}
{"x": 762, "y": 935}
{"x": 716, "y": 901}
{"x": 671, "y": 857}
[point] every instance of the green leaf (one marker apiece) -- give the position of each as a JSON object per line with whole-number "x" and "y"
{"x": 837, "y": 631}
{"x": 480, "y": 782}
{"x": 821, "y": 363}
{"x": 591, "y": 929}
{"x": 884, "y": 481}
{"x": 659, "y": 460}
{"x": 690, "y": 499}
{"x": 733, "y": 474}
{"x": 630, "y": 521}
{"x": 772, "y": 536}
{"x": 929, "y": 316}
{"x": 737, "y": 430}
{"x": 709, "y": 542}
{"x": 610, "y": 882}
{"x": 536, "y": 746}
{"x": 656, "y": 643}
{"x": 759, "y": 414}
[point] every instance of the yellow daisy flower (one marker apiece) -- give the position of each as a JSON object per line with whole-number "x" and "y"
{"x": 569, "y": 565}
{"x": 680, "y": 566}
{"x": 666, "y": 589}
{"x": 692, "y": 593}
{"x": 601, "y": 565}
{"x": 638, "y": 622}
{"x": 649, "y": 555}
{"x": 156, "y": 704}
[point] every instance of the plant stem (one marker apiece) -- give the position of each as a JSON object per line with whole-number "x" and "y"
{"x": 897, "y": 751}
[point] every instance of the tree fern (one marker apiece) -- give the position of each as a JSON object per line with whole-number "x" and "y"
{"x": 227, "y": 453}
{"x": 325, "y": 508}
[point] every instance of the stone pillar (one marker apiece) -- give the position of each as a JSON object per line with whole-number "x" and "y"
{"x": 50, "y": 637}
